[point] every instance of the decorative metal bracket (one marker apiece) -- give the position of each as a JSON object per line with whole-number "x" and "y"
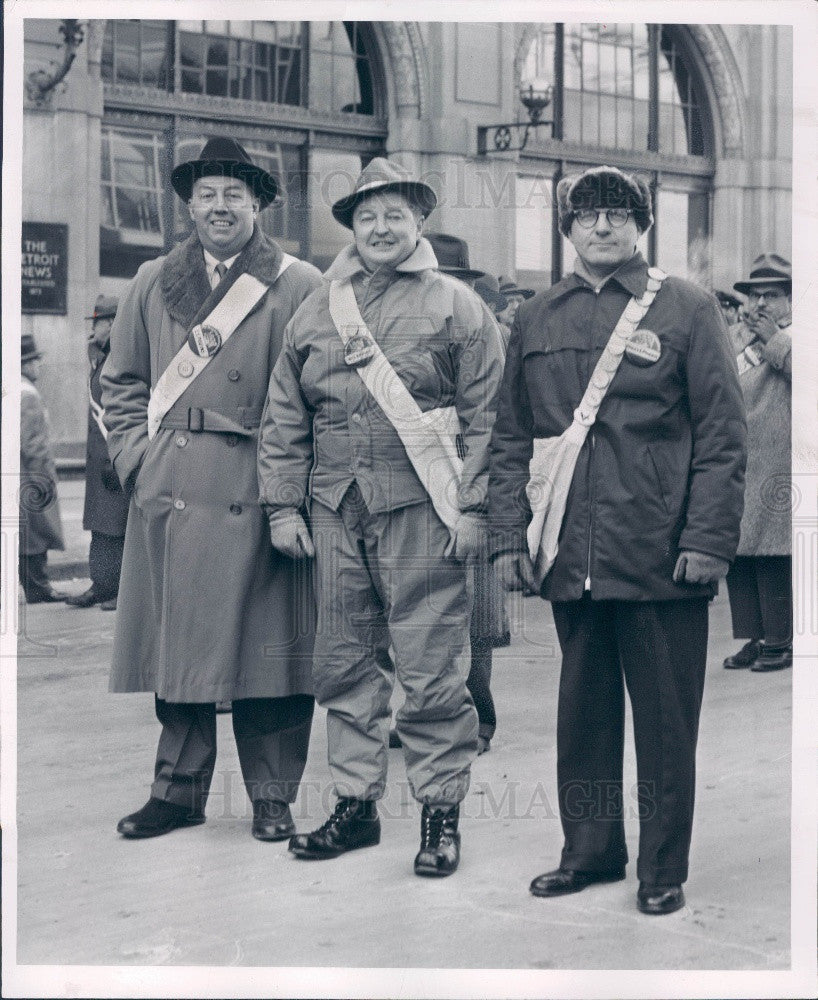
{"x": 501, "y": 136}
{"x": 535, "y": 98}
{"x": 40, "y": 83}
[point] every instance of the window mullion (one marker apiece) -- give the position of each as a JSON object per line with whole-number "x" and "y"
{"x": 559, "y": 80}
{"x": 653, "y": 91}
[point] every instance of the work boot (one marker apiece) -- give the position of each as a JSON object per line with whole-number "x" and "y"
{"x": 439, "y": 852}
{"x": 87, "y": 599}
{"x": 354, "y": 823}
{"x": 745, "y": 657}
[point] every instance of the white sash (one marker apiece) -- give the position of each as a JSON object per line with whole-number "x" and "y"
{"x": 187, "y": 365}
{"x": 552, "y": 465}
{"x": 429, "y": 437}
{"x": 97, "y": 412}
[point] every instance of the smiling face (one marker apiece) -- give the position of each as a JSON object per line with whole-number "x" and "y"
{"x": 603, "y": 247}
{"x": 223, "y": 210}
{"x": 387, "y": 228}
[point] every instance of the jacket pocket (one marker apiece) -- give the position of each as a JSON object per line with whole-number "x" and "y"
{"x": 662, "y": 475}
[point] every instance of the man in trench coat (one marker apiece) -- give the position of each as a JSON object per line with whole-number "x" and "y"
{"x": 651, "y": 524}
{"x": 208, "y": 612}
{"x": 105, "y": 512}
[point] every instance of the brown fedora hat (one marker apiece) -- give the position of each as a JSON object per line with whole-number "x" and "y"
{"x": 452, "y": 255}
{"x": 381, "y": 174}
{"x": 222, "y": 156}
{"x": 767, "y": 269}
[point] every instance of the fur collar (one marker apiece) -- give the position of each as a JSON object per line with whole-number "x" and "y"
{"x": 185, "y": 288}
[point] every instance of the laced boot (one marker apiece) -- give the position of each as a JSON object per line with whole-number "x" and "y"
{"x": 439, "y": 852}
{"x": 354, "y": 823}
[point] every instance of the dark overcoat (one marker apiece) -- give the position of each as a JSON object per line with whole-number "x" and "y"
{"x": 106, "y": 503}
{"x": 662, "y": 468}
{"x": 40, "y": 524}
{"x": 208, "y": 611}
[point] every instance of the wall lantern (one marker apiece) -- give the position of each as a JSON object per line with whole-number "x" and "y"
{"x": 535, "y": 98}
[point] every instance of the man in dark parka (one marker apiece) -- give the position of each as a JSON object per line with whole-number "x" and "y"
{"x": 105, "y": 511}
{"x": 651, "y": 524}
{"x": 208, "y": 612}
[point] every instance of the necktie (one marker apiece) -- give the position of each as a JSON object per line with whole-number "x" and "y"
{"x": 221, "y": 271}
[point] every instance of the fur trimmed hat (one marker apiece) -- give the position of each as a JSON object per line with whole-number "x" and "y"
{"x": 604, "y": 187}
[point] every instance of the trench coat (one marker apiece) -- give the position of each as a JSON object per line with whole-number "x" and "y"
{"x": 208, "y": 611}
{"x": 662, "y": 468}
{"x": 106, "y": 504}
{"x": 766, "y": 527}
{"x": 40, "y": 523}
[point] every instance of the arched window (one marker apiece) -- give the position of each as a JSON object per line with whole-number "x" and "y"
{"x": 628, "y": 95}
{"x": 304, "y": 98}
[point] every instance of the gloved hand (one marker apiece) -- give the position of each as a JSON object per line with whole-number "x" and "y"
{"x": 110, "y": 480}
{"x": 469, "y": 538}
{"x": 515, "y": 571}
{"x": 699, "y": 567}
{"x": 289, "y": 534}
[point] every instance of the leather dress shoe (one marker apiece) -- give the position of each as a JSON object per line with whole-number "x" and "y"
{"x": 354, "y": 823}
{"x": 564, "y": 881}
{"x": 744, "y": 658}
{"x": 439, "y": 853}
{"x": 657, "y": 900}
{"x": 157, "y": 817}
{"x": 49, "y": 596}
{"x": 773, "y": 658}
{"x": 272, "y": 820}
{"x": 109, "y": 605}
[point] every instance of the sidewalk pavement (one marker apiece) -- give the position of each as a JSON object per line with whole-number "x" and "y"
{"x": 211, "y": 895}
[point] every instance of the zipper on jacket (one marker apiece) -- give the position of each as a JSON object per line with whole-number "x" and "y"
{"x": 590, "y": 508}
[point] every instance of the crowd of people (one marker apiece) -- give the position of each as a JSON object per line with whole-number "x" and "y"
{"x": 316, "y": 485}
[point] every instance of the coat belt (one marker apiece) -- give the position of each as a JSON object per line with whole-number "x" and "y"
{"x": 198, "y": 420}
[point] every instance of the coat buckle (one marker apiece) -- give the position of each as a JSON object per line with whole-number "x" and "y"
{"x": 195, "y": 419}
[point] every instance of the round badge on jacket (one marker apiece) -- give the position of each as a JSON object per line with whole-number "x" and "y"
{"x": 358, "y": 350}
{"x": 205, "y": 341}
{"x": 643, "y": 348}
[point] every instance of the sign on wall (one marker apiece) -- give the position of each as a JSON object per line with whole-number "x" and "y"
{"x": 45, "y": 267}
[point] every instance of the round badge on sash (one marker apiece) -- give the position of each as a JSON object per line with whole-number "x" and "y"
{"x": 643, "y": 348}
{"x": 205, "y": 341}
{"x": 358, "y": 350}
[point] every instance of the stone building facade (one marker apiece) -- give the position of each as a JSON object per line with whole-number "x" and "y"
{"x": 704, "y": 112}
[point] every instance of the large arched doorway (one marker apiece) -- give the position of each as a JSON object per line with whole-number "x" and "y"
{"x": 627, "y": 95}
{"x": 306, "y": 99}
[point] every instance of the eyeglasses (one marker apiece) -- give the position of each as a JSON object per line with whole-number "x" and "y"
{"x": 772, "y": 295}
{"x": 588, "y": 217}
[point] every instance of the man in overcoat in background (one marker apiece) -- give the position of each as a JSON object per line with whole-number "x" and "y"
{"x": 105, "y": 510}
{"x": 651, "y": 524}
{"x": 208, "y": 612}
{"x": 40, "y": 523}
{"x": 759, "y": 582}
{"x": 389, "y": 570}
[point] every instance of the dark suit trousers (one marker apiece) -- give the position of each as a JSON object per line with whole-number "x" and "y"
{"x": 105, "y": 563}
{"x": 272, "y": 738}
{"x": 760, "y": 589}
{"x": 659, "y": 649}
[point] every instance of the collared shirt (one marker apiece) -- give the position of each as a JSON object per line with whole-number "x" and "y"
{"x": 210, "y": 266}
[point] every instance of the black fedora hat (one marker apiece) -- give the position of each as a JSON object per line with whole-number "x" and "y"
{"x": 28, "y": 349}
{"x": 381, "y": 174}
{"x": 222, "y": 156}
{"x": 452, "y": 255}
{"x": 488, "y": 288}
{"x": 510, "y": 288}
{"x": 767, "y": 269}
{"x": 727, "y": 298}
{"x": 105, "y": 307}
